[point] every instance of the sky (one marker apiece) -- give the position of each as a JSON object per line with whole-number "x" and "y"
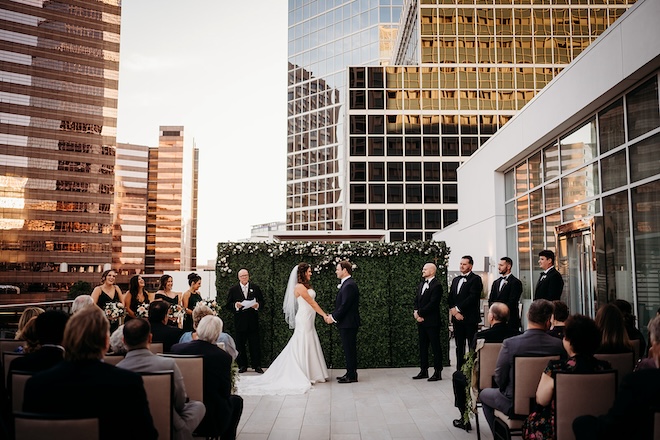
{"x": 218, "y": 68}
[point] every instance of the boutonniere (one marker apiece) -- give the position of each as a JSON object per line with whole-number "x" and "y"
{"x": 251, "y": 290}
{"x": 504, "y": 283}
{"x": 339, "y": 286}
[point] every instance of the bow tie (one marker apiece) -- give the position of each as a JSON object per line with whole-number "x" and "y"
{"x": 462, "y": 277}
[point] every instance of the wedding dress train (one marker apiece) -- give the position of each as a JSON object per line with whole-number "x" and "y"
{"x": 298, "y": 366}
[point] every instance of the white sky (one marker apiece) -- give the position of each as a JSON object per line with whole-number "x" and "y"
{"x": 217, "y": 67}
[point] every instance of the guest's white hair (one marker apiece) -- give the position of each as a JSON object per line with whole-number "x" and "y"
{"x": 209, "y": 329}
{"x": 81, "y": 302}
{"x": 117, "y": 345}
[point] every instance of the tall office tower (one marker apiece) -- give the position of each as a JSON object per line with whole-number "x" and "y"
{"x": 130, "y": 213}
{"x": 460, "y": 71}
{"x": 59, "y": 63}
{"x": 325, "y": 36}
{"x": 169, "y": 203}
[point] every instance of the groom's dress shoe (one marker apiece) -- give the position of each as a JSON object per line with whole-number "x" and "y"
{"x": 259, "y": 370}
{"x": 458, "y": 423}
{"x": 436, "y": 376}
{"x": 242, "y": 369}
{"x": 346, "y": 380}
{"x": 341, "y": 377}
{"x": 422, "y": 375}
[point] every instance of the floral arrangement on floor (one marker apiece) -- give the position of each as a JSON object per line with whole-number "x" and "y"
{"x": 235, "y": 377}
{"x": 114, "y": 311}
{"x": 142, "y": 310}
{"x": 467, "y": 369}
{"x": 211, "y": 304}
{"x": 176, "y": 312}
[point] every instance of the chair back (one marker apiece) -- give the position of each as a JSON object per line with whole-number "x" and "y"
{"x": 579, "y": 395}
{"x": 156, "y": 347}
{"x": 487, "y": 362}
{"x": 18, "y": 380}
{"x": 527, "y": 372}
{"x": 636, "y": 348}
{"x": 192, "y": 370}
{"x": 656, "y": 425}
{"x": 623, "y": 363}
{"x": 40, "y": 426}
{"x": 485, "y": 309}
{"x": 159, "y": 387}
{"x": 7, "y": 357}
{"x": 10, "y": 344}
{"x": 113, "y": 359}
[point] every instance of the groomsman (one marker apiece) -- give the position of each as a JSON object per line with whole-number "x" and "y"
{"x": 464, "y": 296}
{"x": 427, "y": 315}
{"x": 550, "y": 284}
{"x": 246, "y": 320}
{"x": 507, "y": 289}
{"x": 347, "y": 317}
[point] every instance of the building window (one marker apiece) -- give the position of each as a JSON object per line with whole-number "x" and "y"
{"x": 414, "y": 219}
{"x": 358, "y": 219}
{"x": 395, "y": 219}
{"x": 413, "y": 146}
{"x": 644, "y": 158}
{"x": 395, "y": 171}
{"x": 413, "y": 236}
{"x": 642, "y": 109}
{"x": 450, "y": 193}
{"x": 449, "y": 216}
{"x": 449, "y": 173}
{"x": 450, "y": 146}
{"x": 376, "y": 146}
{"x": 396, "y": 236}
{"x": 376, "y": 124}
{"x": 358, "y": 171}
{"x": 376, "y": 219}
{"x": 433, "y": 219}
{"x": 358, "y": 124}
{"x": 432, "y": 193}
{"x": 431, "y": 146}
{"x": 469, "y": 145}
{"x": 394, "y": 193}
{"x": 376, "y": 193}
{"x": 376, "y": 99}
{"x": 358, "y": 100}
{"x": 413, "y": 171}
{"x": 358, "y": 146}
{"x": 358, "y": 193}
{"x": 376, "y": 171}
{"x": 413, "y": 193}
{"x": 431, "y": 171}
{"x": 611, "y": 127}
{"x": 395, "y": 146}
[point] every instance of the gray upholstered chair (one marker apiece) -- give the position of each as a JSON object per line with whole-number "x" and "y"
{"x": 156, "y": 347}
{"x": 192, "y": 370}
{"x": 113, "y": 359}
{"x": 159, "y": 387}
{"x": 18, "y": 380}
{"x": 487, "y": 362}
{"x": 44, "y": 426}
{"x": 623, "y": 363}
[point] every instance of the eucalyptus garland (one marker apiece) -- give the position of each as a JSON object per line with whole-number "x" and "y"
{"x": 467, "y": 369}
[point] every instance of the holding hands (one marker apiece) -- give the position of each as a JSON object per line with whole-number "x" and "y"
{"x": 328, "y": 319}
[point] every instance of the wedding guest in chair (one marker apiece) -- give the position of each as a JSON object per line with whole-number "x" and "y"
{"x": 559, "y": 316}
{"x": 612, "y": 326}
{"x": 161, "y": 331}
{"x": 49, "y": 328}
{"x": 199, "y": 312}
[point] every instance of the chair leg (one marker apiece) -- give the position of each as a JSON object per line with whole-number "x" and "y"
{"x": 501, "y": 431}
{"x": 476, "y": 421}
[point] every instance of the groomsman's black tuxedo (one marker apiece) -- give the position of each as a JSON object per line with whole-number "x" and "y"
{"x": 549, "y": 286}
{"x": 508, "y": 294}
{"x": 427, "y": 304}
{"x": 246, "y": 323}
{"x": 347, "y": 317}
{"x": 467, "y": 301}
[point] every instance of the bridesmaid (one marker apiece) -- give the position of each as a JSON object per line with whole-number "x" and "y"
{"x": 107, "y": 293}
{"x": 166, "y": 294}
{"x": 136, "y": 296}
{"x": 190, "y": 299}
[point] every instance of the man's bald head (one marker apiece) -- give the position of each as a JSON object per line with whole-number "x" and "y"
{"x": 428, "y": 271}
{"x": 500, "y": 312}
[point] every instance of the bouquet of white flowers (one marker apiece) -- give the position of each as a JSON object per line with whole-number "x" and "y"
{"x": 176, "y": 312}
{"x": 142, "y": 310}
{"x": 114, "y": 311}
{"x": 211, "y": 304}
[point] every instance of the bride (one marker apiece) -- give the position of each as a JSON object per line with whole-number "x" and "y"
{"x": 301, "y": 362}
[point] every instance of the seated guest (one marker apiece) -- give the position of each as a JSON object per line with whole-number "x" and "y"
{"x": 559, "y": 315}
{"x": 631, "y": 416}
{"x": 581, "y": 339}
{"x": 498, "y": 315}
{"x": 534, "y": 342}
{"x": 223, "y": 409}
{"x": 137, "y": 338}
{"x": 633, "y": 332}
{"x": 81, "y": 302}
{"x": 160, "y": 331}
{"x": 117, "y": 346}
{"x": 49, "y": 330}
{"x": 28, "y": 313}
{"x": 614, "y": 338}
{"x": 199, "y": 312}
{"x": 29, "y": 337}
{"x": 84, "y": 386}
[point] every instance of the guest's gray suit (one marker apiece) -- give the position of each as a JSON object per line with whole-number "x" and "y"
{"x": 534, "y": 342}
{"x": 187, "y": 415}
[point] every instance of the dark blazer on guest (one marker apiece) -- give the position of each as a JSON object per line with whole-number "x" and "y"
{"x": 549, "y": 286}
{"x": 467, "y": 300}
{"x": 428, "y": 303}
{"x": 166, "y": 334}
{"x": 93, "y": 388}
{"x": 245, "y": 320}
{"x": 534, "y": 342}
{"x": 509, "y": 295}
{"x": 497, "y": 333}
{"x": 346, "y": 313}
{"x": 217, "y": 384}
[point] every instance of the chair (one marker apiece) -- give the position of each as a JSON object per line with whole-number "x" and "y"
{"x": 581, "y": 394}
{"x": 485, "y": 312}
{"x": 18, "y": 380}
{"x": 40, "y": 426}
{"x": 487, "y": 363}
{"x": 10, "y": 344}
{"x": 527, "y": 372}
{"x": 623, "y": 363}
{"x": 7, "y": 357}
{"x": 636, "y": 348}
{"x": 656, "y": 425}
{"x": 192, "y": 370}
{"x": 113, "y": 359}
{"x": 156, "y": 347}
{"x": 159, "y": 387}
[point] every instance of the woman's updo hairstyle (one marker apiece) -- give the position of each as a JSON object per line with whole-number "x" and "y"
{"x": 193, "y": 278}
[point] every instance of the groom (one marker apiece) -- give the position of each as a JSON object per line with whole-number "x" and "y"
{"x": 347, "y": 318}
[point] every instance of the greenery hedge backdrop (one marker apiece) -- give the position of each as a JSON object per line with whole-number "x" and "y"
{"x": 387, "y": 275}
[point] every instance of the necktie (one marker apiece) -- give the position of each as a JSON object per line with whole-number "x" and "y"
{"x": 245, "y": 291}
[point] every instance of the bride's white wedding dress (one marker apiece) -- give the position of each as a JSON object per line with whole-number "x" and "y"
{"x": 298, "y": 366}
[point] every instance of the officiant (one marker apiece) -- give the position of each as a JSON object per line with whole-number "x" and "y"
{"x": 246, "y": 301}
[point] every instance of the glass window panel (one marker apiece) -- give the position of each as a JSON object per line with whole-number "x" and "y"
{"x": 449, "y": 171}
{"x": 432, "y": 219}
{"x": 414, "y": 219}
{"x": 522, "y": 208}
{"x": 616, "y": 254}
{"x": 358, "y": 171}
{"x": 394, "y": 193}
{"x": 537, "y": 235}
{"x": 510, "y": 209}
{"x": 508, "y": 185}
{"x": 358, "y": 194}
{"x": 551, "y": 196}
{"x": 521, "y": 178}
{"x": 358, "y": 146}
{"x": 450, "y": 146}
{"x": 578, "y": 147}
{"x": 413, "y": 146}
{"x": 395, "y": 171}
{"x": 376, "y": 193}
{"x": 431, "y": 146}
{"x": 376, "y": 171}
{"x": 413, "y": 193}
{"x": 642, "y": 109}
{"x": 610, "y": 127}
{"x": 583, "y": 210}
{"x": 358, "y": 219}
{"x": 376, "y": 146}
{"x": 524, "y": 258}
{"x": 580, "y": 185}
{"x": 376, "y": 124}
{"x": 535, "y": 170}
{"x": 395, "y": 219}
{"x": 394, "y": 146}
{"x": 614, "y": 171}
{"x": 432, "y": 171}
{"x": 551, "y": 221}
{"x": 376, "y": 219}
{"x": 450, "y": 193}
{"x": 536, "y": 202}
{"x": 550, "y": 162}
{"x": 432, "y": 193}
{"x": 449, "y": 216}
{"x": 644, "y": 160}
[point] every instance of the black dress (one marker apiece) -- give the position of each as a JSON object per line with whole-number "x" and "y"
{"x": 135, "y": 303}
{"x": 105, "y": 299}
{"x": 192, "y": 302}
{"x": 172, "y": 302}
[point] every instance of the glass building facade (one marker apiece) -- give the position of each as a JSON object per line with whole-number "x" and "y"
{"x": 472, "y": 67}
{"x": 593, "y": 194}
{"x": 324, "y": 37}
{"x": 59, "y": 63}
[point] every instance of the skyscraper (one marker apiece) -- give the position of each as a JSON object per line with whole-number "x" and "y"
{"x": 59, "y": 63}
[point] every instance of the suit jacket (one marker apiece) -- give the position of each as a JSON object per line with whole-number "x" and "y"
{"x": 428, "y": 303}
{"x": 467, "y": 300}
{"x": 144, "y": 361}
{"x": 550, "y": 286}
{"x": 534, "y": 342}
{"x": 245, "y": 319}
{"x": 346, "y": 312}
{"x": 509, "y": 295}
{"x": 165, "y": 334}
{"x": 217, "y": 383}
{"x": 93, "y": 389}
{"x": 497, "y": 333}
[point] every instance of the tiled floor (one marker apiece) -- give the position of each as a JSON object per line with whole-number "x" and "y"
{"x": 384, "y": 404}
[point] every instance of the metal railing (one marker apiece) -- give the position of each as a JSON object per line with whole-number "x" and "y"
{"x": 11, "y": 313}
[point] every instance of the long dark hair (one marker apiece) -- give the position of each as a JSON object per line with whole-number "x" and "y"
{"x": 193, "y": 278}
{"x": 134, "y": 286}
{"x": 163, "y": 281}
{"x": 302, "y": 275}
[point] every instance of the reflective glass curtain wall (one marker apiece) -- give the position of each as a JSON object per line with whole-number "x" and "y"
{"x": 59, "y": 63}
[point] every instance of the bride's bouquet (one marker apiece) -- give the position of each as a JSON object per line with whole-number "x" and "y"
{"x": 114, "y": 311}
{"x": 142, "y": 311}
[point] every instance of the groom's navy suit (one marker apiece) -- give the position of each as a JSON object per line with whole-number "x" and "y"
{"x": 347, "y": 317}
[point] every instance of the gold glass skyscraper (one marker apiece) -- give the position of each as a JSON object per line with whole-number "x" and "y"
{"x": 59, "y": 63}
